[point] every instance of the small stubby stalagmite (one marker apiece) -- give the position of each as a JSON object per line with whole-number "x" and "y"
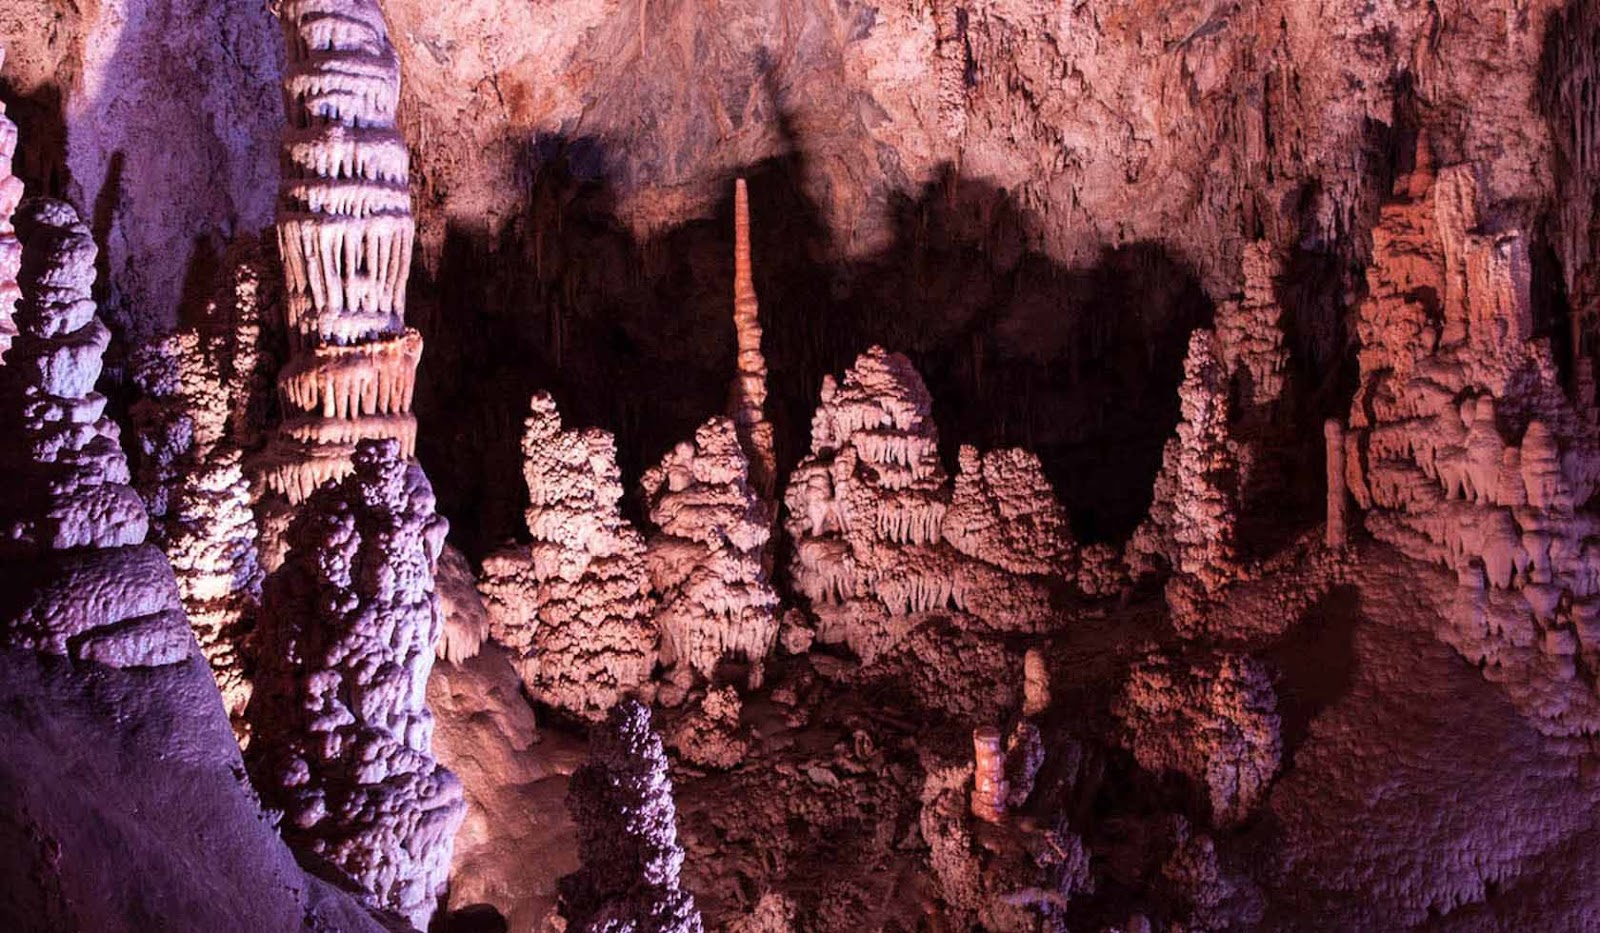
{"x": 705, "y": 561}
{"x": 341, "y": 732}
{"x": 989, "y": 790}
{"x": 574, "y": 606}
{"x": 76, "y": 575}
{"x": 628, "y": 852}
{"x": 346, "y": 233}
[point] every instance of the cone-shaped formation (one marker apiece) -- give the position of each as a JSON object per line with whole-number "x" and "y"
{"x": 1214, "y": 720}
{"x": 1465, "y": 451}
{"x": 748, "y": 404}
{"x": 346, "y": 233}
{"x": 628, "y": 852}
{"x": 574, "y": 606}
{"x": 1195, "y": 507}
{"x": 868, "y": 511}
{"x": 705, "y": 563}
{"x": 10, "y": 246}
{"x": 342, "y": 735}
{"x": 76, "y": 577}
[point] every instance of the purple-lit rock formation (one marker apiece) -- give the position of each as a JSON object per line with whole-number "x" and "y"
{"x": 574, "y": 606}
{"x": 627, "y": 835}
{"x": 342, "y": 735}
{"x": 76, "y": 576}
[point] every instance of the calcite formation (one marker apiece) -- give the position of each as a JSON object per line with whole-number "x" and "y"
{"x": 705, "y": 561}
{"x": 628, "y": 852}
{"x": 748, "y": 402}
{"x": 882, "y": 538}
{"x": 1464, "y": 450}
{"x": 1213, "y": 719}
{"x": 574, "y": 606}
{"x": 1194, "y": 513}
{"x": 342, "y": 734}
{"x": 76, "y": 576}
{"x": 346, "y": 232}
{"x": 10, "y": 246}
{"x": 1249, "y": 336}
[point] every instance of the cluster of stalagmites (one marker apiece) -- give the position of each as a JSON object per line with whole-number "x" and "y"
{"x": 628, "y": 850}
{"x": 1213, "y": 719}
{"x": 1464, "y": 450}
{"x": 342, "y": 736}
{"x": 76, "y": 576}
{"x": 574, "y": 606}
{"x": 882, "y": 537}
{"x": 346, "y": 234}
{"x": 705, "y": 561}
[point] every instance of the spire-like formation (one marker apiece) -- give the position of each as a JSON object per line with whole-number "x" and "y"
{"x": 10, "y": 246}
{"x": 346, "y": 234}
{"x": 573, "y": 606}
{"x": 628, "y": 852}
{"x": 705, "y": 562}
{"x": 749, "y": 401}
{"x": 342, "y": 736}
{"x": 76, "y": 577}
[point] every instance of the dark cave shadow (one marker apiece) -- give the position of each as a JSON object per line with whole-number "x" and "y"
{"x": 1315, "y": 665}
{"x": 1080, "y": 365}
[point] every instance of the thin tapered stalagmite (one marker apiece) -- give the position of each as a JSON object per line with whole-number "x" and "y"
{"x": 748, "y": 405}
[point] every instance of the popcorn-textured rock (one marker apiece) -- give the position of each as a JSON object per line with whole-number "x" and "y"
{"x": 76, "y": 576}
{"x": 869, "y": 507}
{"x": 1464, "y": 450}
{"x": 1249, "y": 335}
{"x": 341, "y": 729}
{"x": 574, "y": 607}
{"x": 346, "y": 233}
{"x": 466, "y": 621}
{"x": 705, "y": 562}
{"x": 627, "y": 835}
{"x": 1213, "y": 720}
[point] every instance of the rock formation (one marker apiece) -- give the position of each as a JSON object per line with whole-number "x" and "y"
{"x": 342, "y": 733}
{"x": 345, "y": 232}
{"x": 1195, "y": 507}
{"x": 881, "y": 538}
{"x": 76, "y": 576}
{"x": 1249, "y": 336}
{"x": 748, "y": 402}
{"x": 1465, "y": 451}
{"x": 574, "y": 607}
{"x": 466, "y": 621}
{"x": 627, "y": 835}
{"x": 705, "y": 561}
{"x": 1213, "y": 719}
{"x": 10, "y": 246}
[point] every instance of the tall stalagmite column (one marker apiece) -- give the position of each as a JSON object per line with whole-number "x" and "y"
{"x": 346, "y": 234}
{"x": 749, "y": 401}
{"x": 10, "y": 246}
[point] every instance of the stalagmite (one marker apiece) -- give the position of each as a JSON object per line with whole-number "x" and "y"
{"x": 883, "y": 538}
{"x": 705, "y": 563}
{"x": 346, "y": 233}
{"x": 76, "y": 576}
{"x": 1250, "y": 335}
{"x": 749, "y": 397}
{"x": 628, "y": 852}
{"x": 1338, "y": 535}
{"x": 1465, "y": 450}
{"x": 342, "y": 736}
{"x": 1035, "y": 683}
{"x": 574, "y": 606}
{"x": 989, "y": 775}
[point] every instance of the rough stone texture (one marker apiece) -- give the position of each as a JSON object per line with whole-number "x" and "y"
{"x": 710, "y": 736}
{"x": 1465, "y": 451}
{"x": 628, "y": 846}
{"x": 706, "y": 561}
{"x": 76, "y": 576}
{"x": 868, "y": 509}
{"x": 466, "y": 621}
{"x": 342, "y": 735}
{"x": 574, "y": 607}
{"x": 1212, "y": 719}
{"x": 345, "y": 233}
{"x": 10, "y": 246}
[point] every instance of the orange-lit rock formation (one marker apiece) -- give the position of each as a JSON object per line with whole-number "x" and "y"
{"x": 573, "y": 606}
{"x": 748, "y": 402}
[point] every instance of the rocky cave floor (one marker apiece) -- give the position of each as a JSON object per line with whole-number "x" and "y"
{"x": 1412, "y": 793}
